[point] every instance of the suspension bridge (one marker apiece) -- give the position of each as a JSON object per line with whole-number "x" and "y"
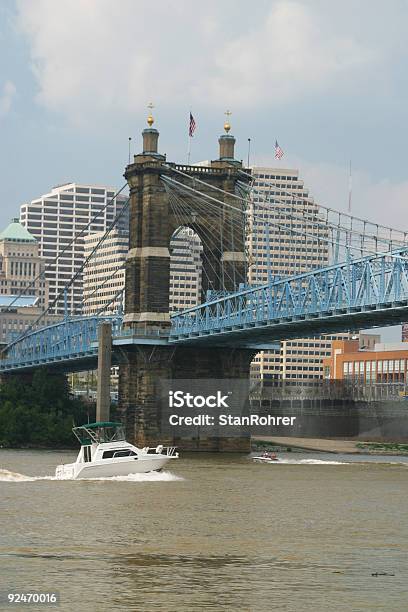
{"x": 346, "y": 274}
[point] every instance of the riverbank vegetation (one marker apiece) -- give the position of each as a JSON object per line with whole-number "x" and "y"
{"x": 40, "y": 412}
{"x": 390, "y": 447}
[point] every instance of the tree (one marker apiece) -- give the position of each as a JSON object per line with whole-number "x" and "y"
{"x": 40, "y": 412}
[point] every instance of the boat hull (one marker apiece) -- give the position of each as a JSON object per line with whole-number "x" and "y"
{"x": 110, "y": 469}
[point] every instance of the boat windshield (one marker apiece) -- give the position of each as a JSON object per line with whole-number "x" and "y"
{"x": 99, "y": 432}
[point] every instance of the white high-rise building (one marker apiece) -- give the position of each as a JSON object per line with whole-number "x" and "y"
{"x": 104, "y": 275}
{"x": 185, "y": 270}
{"x": 61, "y": 215}
{"x": 280, "y": 246}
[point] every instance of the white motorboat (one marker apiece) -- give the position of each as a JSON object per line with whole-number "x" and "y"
{"x": 105, "y": 453}
{"x": 266, "y": 458}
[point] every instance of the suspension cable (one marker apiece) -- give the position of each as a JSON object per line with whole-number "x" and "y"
{"x": 88, "y": 297}
{"x": 78, "y": 272}
{"x": 314, "y": 220}
{"x": 68, "y": 246}
{"x": 111, "y": 301}
{"x": 307, "y": 200}
{"x": 205, "y": 230}
{"x": 326, "y": 208}
{"x": 206, "y": 235}
{"x": 178, "y": 214}
{"x": 182, "y": 186}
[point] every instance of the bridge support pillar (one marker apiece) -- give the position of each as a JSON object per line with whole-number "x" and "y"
{"x": 139, "y": 390}
{"x": 104, "y": 368}
{"x": 154, "y": 219}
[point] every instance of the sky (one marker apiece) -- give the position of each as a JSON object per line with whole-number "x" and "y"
{"x": 326, "y": 79}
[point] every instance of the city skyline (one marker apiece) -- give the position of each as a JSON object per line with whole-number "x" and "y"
{"x": 60, "y": 219}
{"x": 203, "y": 215}
{"x": 349, "y": 75}
{"x": 34, "y": 223}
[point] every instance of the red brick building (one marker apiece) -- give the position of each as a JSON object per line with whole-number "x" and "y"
{"x": 387, "y": 363}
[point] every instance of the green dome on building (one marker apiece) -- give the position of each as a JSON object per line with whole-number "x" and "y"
{"x": 15, "y": 232}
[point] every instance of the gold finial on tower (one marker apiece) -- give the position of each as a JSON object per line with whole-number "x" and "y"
{"x": 227, "y": 125}
{"x": 150, "y": 119}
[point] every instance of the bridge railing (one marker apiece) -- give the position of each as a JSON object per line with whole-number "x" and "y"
{"x": 75, "y": 337}
{"x": 365, "y": 283}
{"x": 369, "y": 283}
{"x": 70, "y": 339}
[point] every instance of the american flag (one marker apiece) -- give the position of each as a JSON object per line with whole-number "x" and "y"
{"x": 278, "y": 151}
{"x": 192, "y": 126}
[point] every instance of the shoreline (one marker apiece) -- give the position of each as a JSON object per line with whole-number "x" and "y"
{"x": 280, "y": 443}
{"x": 336, "y": 447}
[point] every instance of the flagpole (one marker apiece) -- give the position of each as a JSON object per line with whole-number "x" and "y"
{"x": 189, "y": 138}
{"x": 189, "y": 150}
{"x": 249, "y": 151}
{"x": 350, "y": 189}
{"x": 191, "y": 130}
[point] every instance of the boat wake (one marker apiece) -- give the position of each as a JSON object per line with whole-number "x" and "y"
{"x": 321, "y": 462}
{"x": 148, "y": 477}
{"x": 307, "y": 462}
{"x": 355, "y": 461}
{"x": 7, "y": 476}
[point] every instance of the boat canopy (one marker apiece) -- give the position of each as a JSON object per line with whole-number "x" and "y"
{"x": 100, "y": 432}
{"x": 103, "y": 424}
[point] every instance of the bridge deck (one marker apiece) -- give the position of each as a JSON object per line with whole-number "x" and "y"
{"x": 361, "y": 294}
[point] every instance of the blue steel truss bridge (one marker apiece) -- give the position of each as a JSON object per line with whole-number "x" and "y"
{"x": 361, "y": 282}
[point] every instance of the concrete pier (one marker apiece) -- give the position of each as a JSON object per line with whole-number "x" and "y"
{"x": 104, "y": 368}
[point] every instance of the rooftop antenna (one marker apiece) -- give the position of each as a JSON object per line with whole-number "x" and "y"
{"x": 350, "y": 189}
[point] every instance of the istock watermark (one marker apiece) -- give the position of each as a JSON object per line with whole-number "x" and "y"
{"x": 216, "y": 408}
{"x": 179, "y": 399}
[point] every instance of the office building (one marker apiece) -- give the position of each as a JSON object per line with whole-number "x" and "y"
{"x": 385, "y": 363}
{"x": 185, "y": 270}
{"x": 284, "y": 239}
{"x": 104, "y": 274}
{"x": 68, "y": 212}
{"x": 23, "y": 287}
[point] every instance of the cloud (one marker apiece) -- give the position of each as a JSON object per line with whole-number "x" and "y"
{"x": 6, "y": 97}
{"x": 293, "y": 51}
{"x": 99, "y": 59}
{"x": 377, "y": 199}
{"x": 98, "y": 56}
{"x": 94, "y": 56}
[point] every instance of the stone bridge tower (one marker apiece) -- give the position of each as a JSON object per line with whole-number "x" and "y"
{"x": 152, "y": 224}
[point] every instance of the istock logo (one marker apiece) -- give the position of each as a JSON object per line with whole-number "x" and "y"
{"x": 178, "y": 399}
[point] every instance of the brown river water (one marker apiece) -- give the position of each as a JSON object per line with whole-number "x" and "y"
{"x": 214, "y": 532}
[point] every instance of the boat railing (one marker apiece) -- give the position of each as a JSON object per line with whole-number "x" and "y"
{"x": 169, "y": 451}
